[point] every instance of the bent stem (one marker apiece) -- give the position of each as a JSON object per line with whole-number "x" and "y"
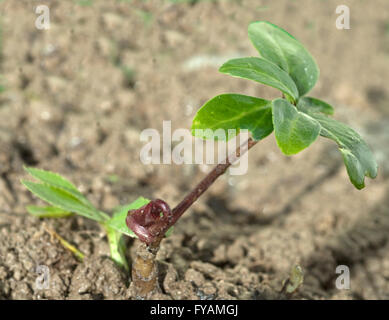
{"x": 151, "y": 222}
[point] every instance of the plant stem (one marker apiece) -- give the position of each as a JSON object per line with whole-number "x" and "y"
{"x": 144, "y": 269}
{"x": 144, "y": 273}
{"x": 200, "y": 188}
{"x": 148, "y": 223}
{"x": 209, "y": 179}
{"x": 117, "y": 246}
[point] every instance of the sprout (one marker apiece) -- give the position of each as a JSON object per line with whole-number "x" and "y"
{"x": 296, "y": 119}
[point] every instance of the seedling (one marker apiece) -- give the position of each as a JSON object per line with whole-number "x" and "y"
{"x": 65, "y": 200}
{"x": 296, "y": 119}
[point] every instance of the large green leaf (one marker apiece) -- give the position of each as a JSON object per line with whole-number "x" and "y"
{"x": 118, "y": 220}
{"x": 357, "y": 156}
{"x": 262, "y": 71}
{"x": 233, "y": 111}
{"x": 278, "y": 46}
{"x": 309, "y": 104}
{"x": 63, "y": 199}
{"x": 294, "y": 130}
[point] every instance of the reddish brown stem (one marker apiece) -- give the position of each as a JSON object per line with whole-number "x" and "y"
{"x": 151, "y": 222}
{"x": 209, "y": 180}
{"x": 148, "y": 223}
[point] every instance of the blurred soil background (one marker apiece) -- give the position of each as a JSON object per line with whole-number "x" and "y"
{"x": 75, "y": 98}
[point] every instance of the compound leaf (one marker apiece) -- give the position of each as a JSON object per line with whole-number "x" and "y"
{"x": 294, "y": 130}
{"x": 233, "y": 111}
{"x": 262, "y": 71}
{"x": 278, "y": 46}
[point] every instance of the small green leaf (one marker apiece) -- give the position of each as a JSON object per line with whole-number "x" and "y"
{"x": 262, "y": 71}
{"x": 55, "y": 180}
{"x": 117, "y": 247}
{"x": 357, "y": 156}
{"x": 294, "y": 130}
{"x": 233, "y": 111}
{"x": 50, "y": 178}
{"x": 278, "y": 46}
{"x": 118, "y": 220}
{"x": 308, "y": 104}
{"x": 63, "y": 199}
{"x": 48, "y": 212}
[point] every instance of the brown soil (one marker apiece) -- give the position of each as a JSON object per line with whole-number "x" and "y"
{"x": 69, "y": 107}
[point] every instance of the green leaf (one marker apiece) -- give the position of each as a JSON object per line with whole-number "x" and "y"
{"x": 55, "y": 180}
{"x": 63, "y": 199}
{"x": 117, "y": 247}
{"x": 294, "y": 130}
{"x": 308, "y": 104}
{"x": 357, "y": 156}
{"x": 278, "y": 46}
{"x": 50, "y": 178}
{"x": 233, "y": 111}
{"x": 48, "y": 212}
{"x": 118, "y": 220}
{"x": 262, "y": 71}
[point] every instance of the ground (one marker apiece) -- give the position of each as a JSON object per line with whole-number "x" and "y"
{"x": 76, "y": 97}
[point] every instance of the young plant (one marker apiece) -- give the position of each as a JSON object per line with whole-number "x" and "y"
{"x": 65, "y": 200}
{"x": 296, "y": 119}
